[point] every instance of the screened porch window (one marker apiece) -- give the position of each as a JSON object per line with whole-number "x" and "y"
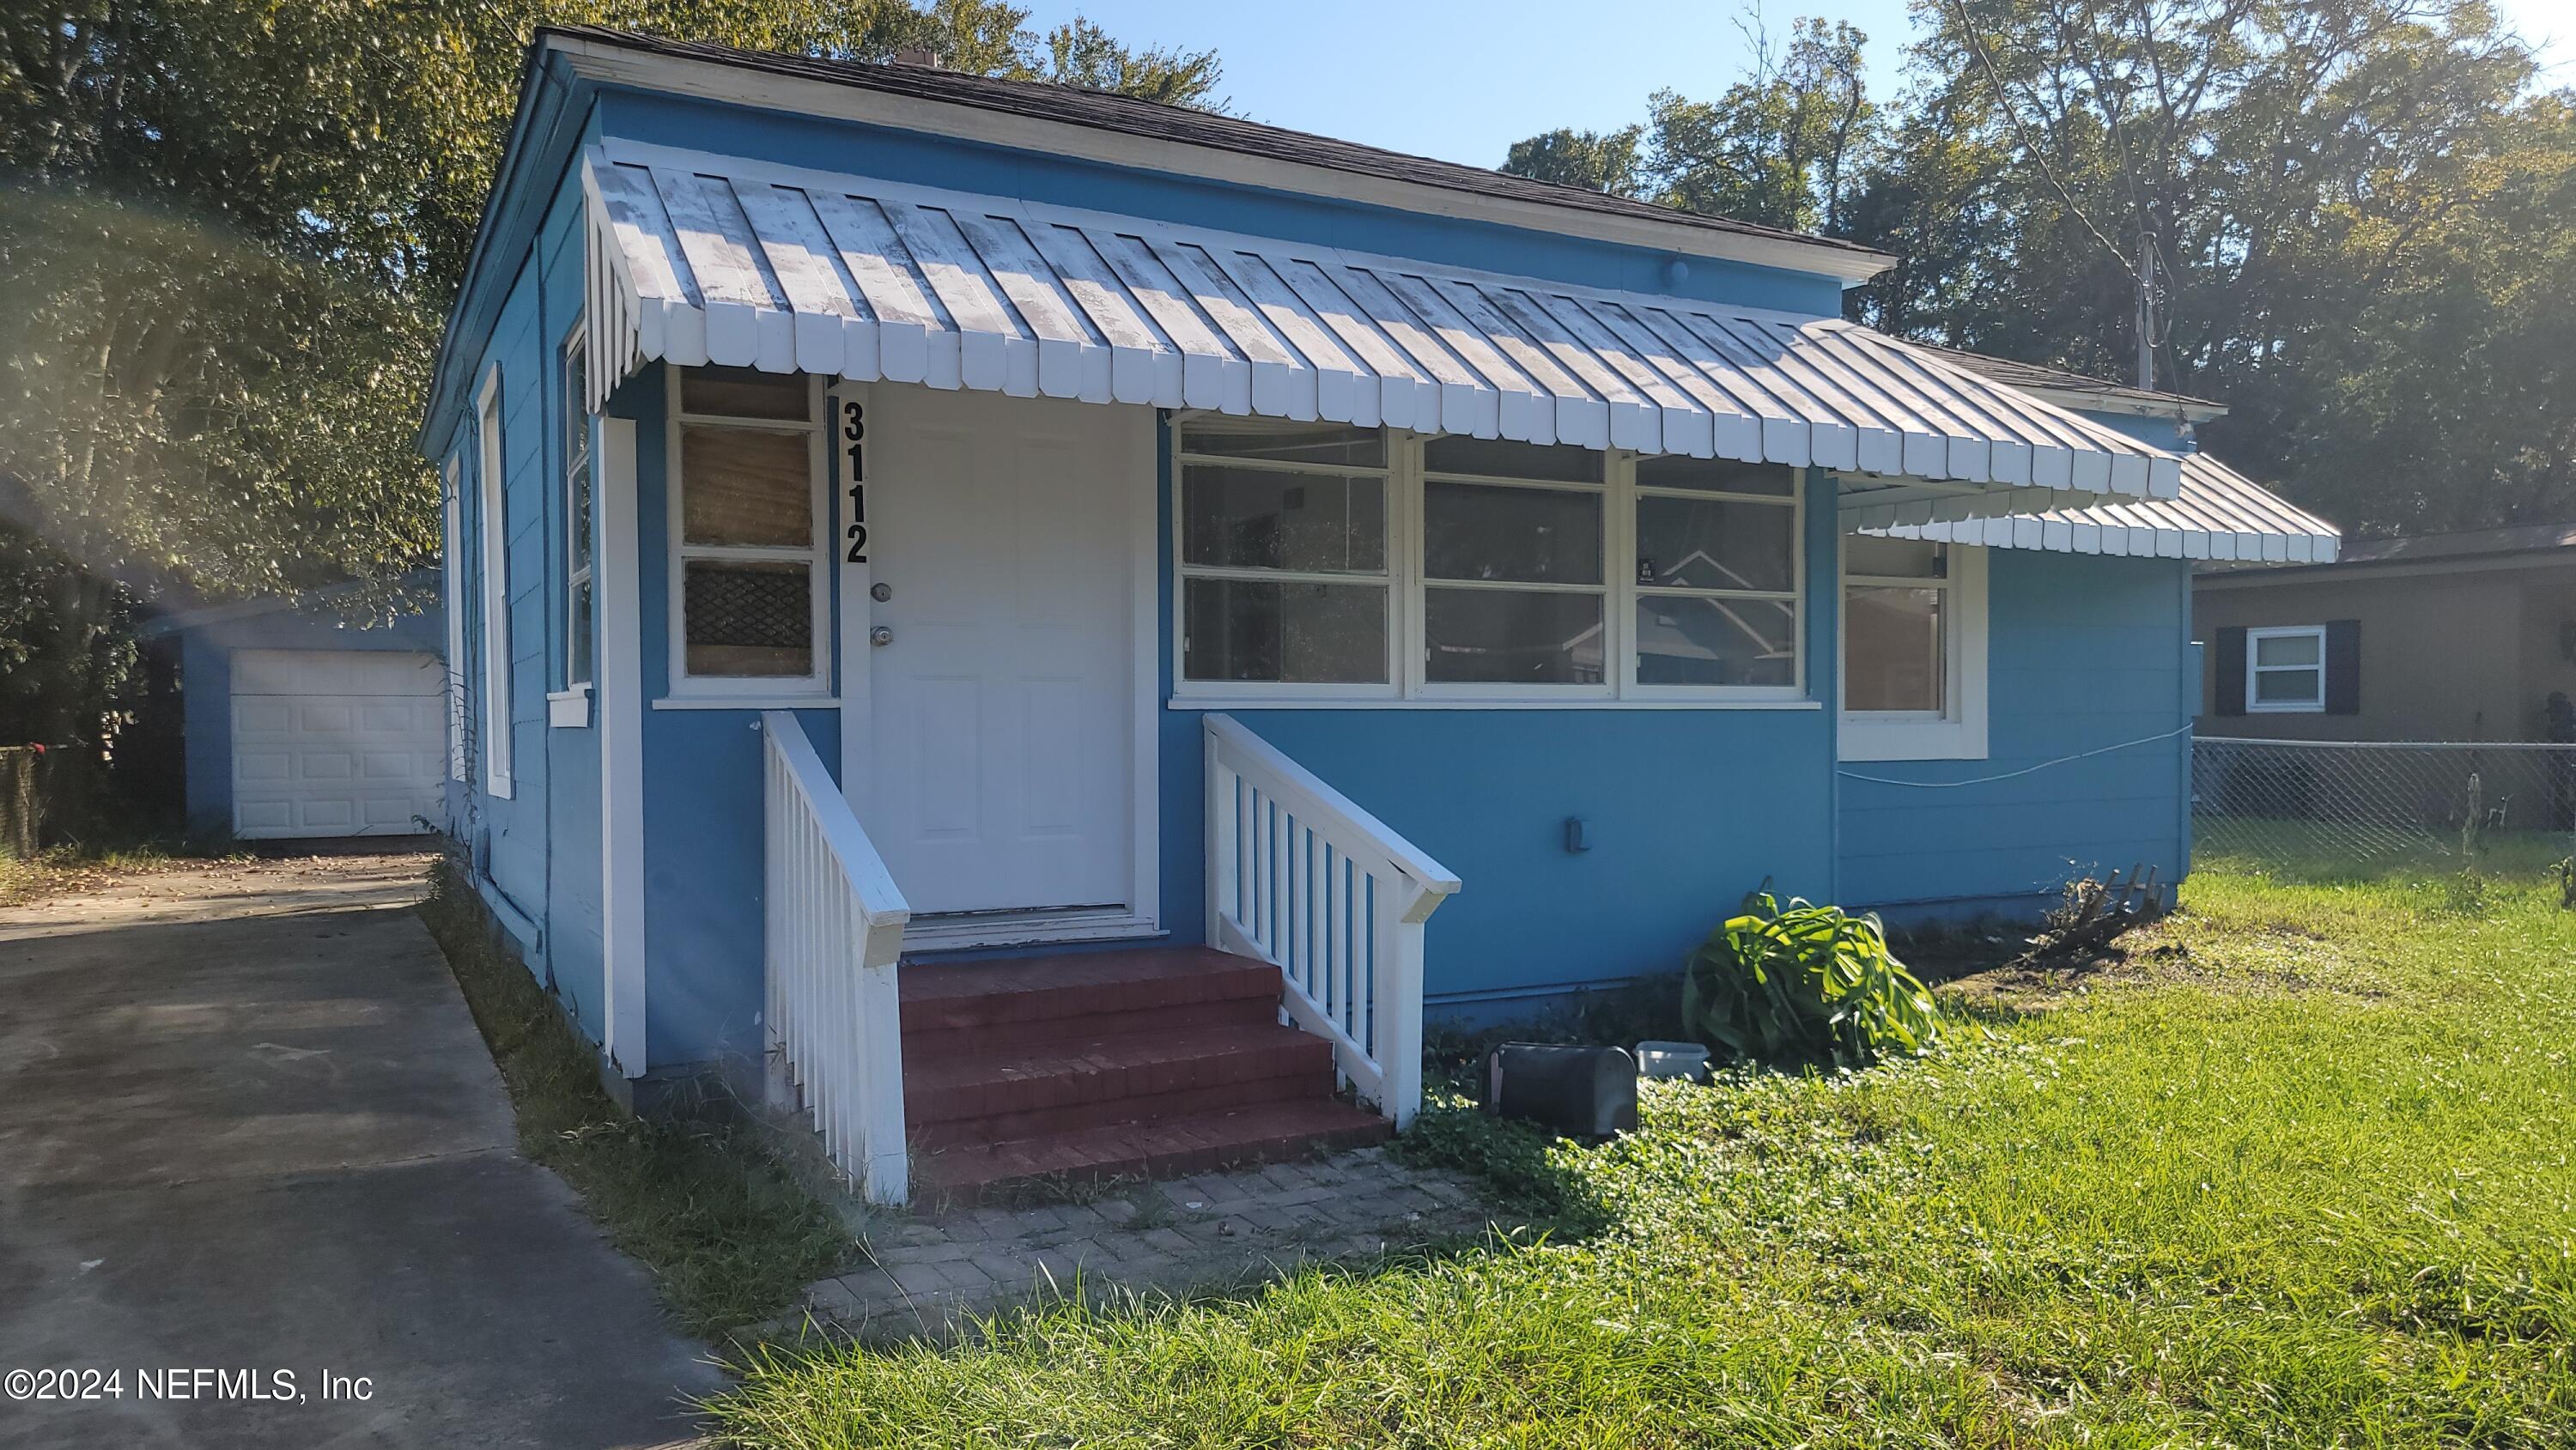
{"x": 1322, "y": 562}
{"x": 749, "y": 599}
{"x": 1283, "y": 564}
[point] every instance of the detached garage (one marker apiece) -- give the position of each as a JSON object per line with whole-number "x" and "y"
{"x": 305, "y": 722}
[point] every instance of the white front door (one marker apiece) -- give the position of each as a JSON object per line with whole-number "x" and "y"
{"x": 1007, "y": 536}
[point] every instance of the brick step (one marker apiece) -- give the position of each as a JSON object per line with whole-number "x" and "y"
{"x": 978, "y": 1007}
{"x": 1175, "y": 1147}
{"x": 997, "y": 1095}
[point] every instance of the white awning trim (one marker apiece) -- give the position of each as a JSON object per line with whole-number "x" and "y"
{"x": 2221, "y": 515}
{"x": 702, "y": 259}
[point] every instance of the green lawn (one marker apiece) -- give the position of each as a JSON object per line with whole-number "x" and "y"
{"x": 2295, "y": 1174}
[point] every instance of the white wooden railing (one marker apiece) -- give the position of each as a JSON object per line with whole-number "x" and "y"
{"x": 1300, "y": 876}
{"x": 834, "y": 927}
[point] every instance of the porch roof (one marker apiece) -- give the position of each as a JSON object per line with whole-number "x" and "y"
{"x": 2220, "y": 515}
{"x": 702, "y": 259}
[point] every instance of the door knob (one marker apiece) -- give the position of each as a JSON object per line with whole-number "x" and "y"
{"x": 881, "y": 635}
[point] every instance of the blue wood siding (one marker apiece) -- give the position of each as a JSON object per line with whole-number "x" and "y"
{"x": 2083, "y": 652}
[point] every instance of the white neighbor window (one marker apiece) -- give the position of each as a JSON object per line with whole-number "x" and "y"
{"x": 494, "y": 527}
{"x": 750, "y": 557}
{"x": 577, "y": 515}
{"x": 1323, "y": 563}
{"x": 2285, "y": 670}
{"x": 1913, "y": 650}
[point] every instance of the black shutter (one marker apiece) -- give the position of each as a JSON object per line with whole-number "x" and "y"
{"x": 2343, "y": 666}
{"x": 2231, "y": 671}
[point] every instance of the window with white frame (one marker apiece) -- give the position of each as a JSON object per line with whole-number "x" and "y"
{"x": 1718, "y": 574}
{"x": 1284, "y": 556}
{"x": 1913, "y": 650}
{"x": 493, "y": 524}
{"x": 750, "y": 546}
{"x": 577, "y": 514}
{"x": 2285, "y": 670}
{"x": 1322, "y": 562}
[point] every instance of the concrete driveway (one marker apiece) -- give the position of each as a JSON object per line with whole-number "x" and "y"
{"x": 252, "y": 1150}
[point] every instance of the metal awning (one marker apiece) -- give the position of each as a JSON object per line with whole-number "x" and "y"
{"x": 701, "y": 259}
{"x": 2221, "y": 514}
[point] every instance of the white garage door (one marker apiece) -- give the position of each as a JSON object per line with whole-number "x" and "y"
{"x": 335, "y": 742}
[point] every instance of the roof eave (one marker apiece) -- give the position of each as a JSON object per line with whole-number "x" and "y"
{"x": 608, "y": 63}
{"x": 2162, "y": 405}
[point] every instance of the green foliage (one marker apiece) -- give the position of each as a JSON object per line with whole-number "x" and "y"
{"x": 2305, "y": 1187}
{"x": 730, "y": 1233}
{"x": 2363, "y": 214}
{"x": 1803, "y": 984}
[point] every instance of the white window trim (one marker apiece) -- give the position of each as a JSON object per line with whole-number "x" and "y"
{"x": 494, "y": 526}
{"x": 452, "y": 557}
{"x": 1958, "y": 730}
{"x": 575, "y": 406}
{"x": 2254, "y": 670}
{"x": 809, "y": 691}
{"x": 1408, "y": 685}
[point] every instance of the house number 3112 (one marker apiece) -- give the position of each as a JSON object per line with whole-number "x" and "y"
{"x": 854, "y": 432}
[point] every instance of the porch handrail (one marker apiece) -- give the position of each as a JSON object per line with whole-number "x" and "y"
{"x": 833, "y": 921}
{"x": 1300, "y": 876}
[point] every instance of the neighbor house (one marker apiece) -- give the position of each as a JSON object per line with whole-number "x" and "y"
{"x": 986, "y": 597}
{"x": 2440, "y": 637}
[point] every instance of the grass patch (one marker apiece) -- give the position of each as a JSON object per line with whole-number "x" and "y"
{"x": 728, "y": 1229}
{"x": 87, "y": 865}
{"x": 2297, "y": 1175}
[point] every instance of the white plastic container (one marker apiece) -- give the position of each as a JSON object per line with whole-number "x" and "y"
{"x": 1672, "y": 1059}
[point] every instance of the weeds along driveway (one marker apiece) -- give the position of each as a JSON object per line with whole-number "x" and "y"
{"x": 246, "y": 1125}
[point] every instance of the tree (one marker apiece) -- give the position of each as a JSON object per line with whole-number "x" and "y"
{"x": 2359, "y": 217}
{"x": 1781, "y": 146}
{"x": 230, "y": 230}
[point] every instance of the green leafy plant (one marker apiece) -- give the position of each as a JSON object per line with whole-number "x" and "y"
{"x": 1804, "y": 983}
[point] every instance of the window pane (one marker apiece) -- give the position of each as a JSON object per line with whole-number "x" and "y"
{"x": 1892, "y": 654}
{"x": 1249, "y": 518}
{"x": 2287, "y": 687}
{"x": 1703, "y": 544}
{"x": 743, "y": 393}
{"x": 1501, "y": 458}
{"x": 2286, "y": 649}
{"x": 1348, "y": 447}
{"x": 579, "y": 523}
{"x": 749, "y": 619}
{"x": 576, "y": 401}
{"x": 1526, "y": 535}
{"x": 1322, "y": 634}
{"x": 1686, "y": 641}
{"x": 1895, "y": 558}
{"x": 1508, "y": 637}
{"x": 1719, "y": 475}
{"x": 746, "y": 486}
{"x": 578, "y": 647}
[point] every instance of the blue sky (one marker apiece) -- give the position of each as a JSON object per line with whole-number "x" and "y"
{"x": 1462, "y": 81}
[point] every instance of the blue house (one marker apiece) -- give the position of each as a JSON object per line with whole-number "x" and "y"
{"x": 1049, "y": 631}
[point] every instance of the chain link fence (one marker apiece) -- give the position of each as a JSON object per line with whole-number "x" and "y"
{"x": 2343, "y": 808}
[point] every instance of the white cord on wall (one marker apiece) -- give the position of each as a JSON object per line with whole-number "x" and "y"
{"x": 2009, "y": 774}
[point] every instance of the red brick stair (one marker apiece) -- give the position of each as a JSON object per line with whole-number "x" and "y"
{"x": 1152, "y": 1063}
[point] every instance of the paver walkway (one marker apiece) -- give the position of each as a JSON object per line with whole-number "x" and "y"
{"x": 1216, "y": 1229}
{"x": 247, "y": 1126}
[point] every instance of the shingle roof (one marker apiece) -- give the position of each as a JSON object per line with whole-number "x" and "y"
{"x": 2058, "y": 380}
{"x": 1128, "y": 115}
{"x": 2465, "y": 543}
